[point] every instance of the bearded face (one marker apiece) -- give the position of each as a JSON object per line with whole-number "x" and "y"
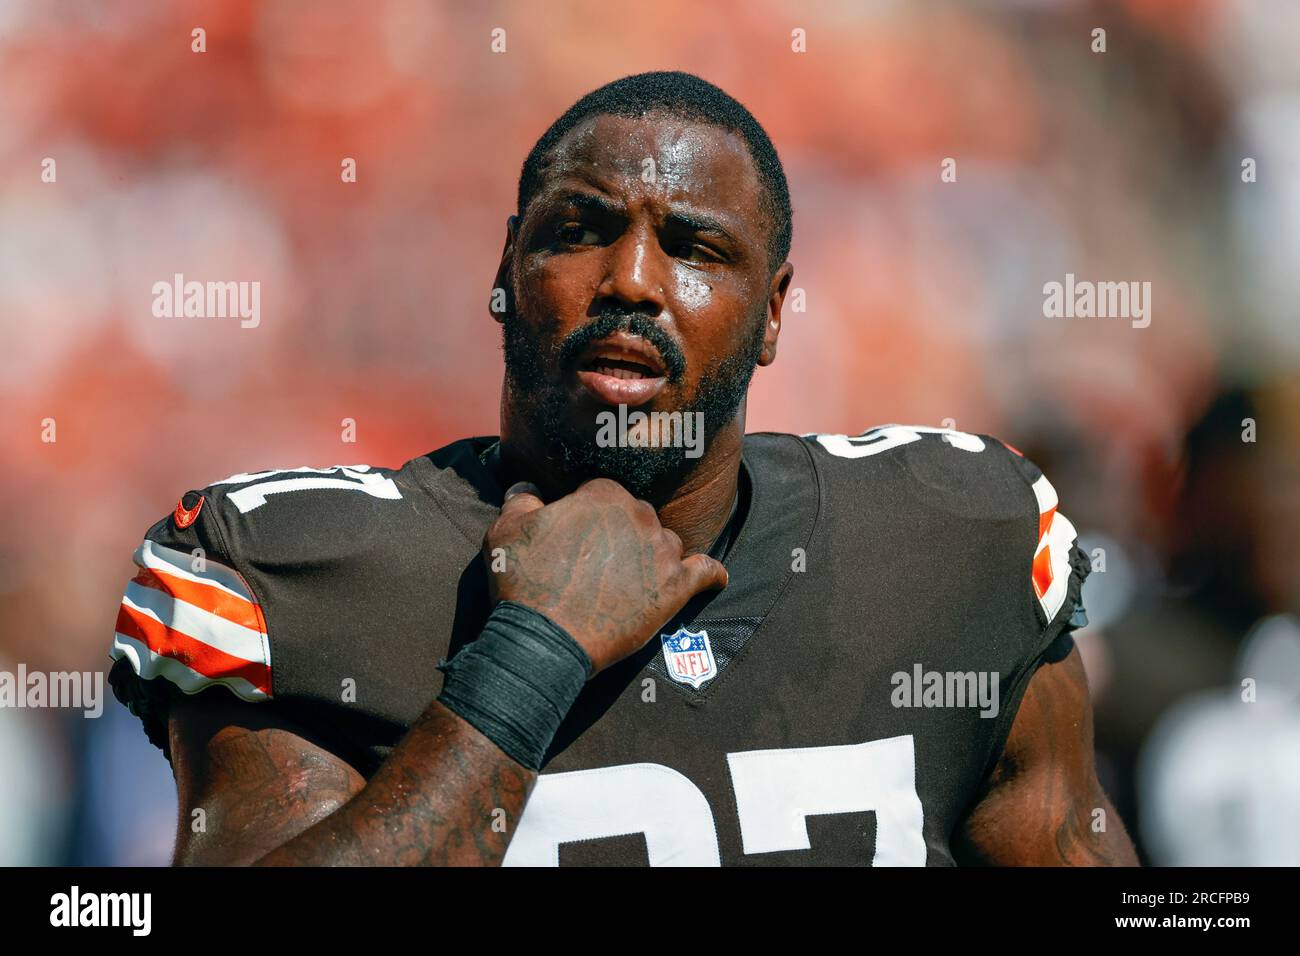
{"x": 650, "y": 458}
{"x": 639, "y": 298}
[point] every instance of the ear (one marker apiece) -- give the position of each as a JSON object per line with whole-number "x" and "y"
{"x": 502, "y": 304}
{"x": 775, "y": 299}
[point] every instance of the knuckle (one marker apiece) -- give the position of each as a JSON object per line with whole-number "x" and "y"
{"x": 602, "y": 486}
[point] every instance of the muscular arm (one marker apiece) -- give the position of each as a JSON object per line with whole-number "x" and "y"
{"x": 446, "y": 795}
{"x": 271, "y": 796}
{"x": 1040, "y": 804}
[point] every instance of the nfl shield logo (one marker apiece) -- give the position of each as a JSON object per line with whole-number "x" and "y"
{"x": 689, "y": 657}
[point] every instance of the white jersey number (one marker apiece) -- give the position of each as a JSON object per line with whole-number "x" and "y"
{"x": 352, "y": 478}
{"x": 891, "y": 436}
{"x": 776, "y": 791}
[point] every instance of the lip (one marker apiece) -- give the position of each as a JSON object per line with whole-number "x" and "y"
{"x": 612, "y": 390}
{"x": 621, "y": 391}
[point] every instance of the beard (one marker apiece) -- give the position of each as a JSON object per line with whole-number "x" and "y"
{"x": 648, "y": 472}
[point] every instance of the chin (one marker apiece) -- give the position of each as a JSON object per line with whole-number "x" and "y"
{"x": 648, "y": 473}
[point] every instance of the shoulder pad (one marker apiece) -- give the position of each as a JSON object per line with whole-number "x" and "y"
{"x": 966, "y": 472}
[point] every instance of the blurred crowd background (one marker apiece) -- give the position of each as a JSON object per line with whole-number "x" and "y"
{"x": 924, "y": 305}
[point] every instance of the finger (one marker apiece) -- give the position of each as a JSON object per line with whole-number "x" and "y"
{"x": 523, "y": 488}
{"x": 521, "y": 498}
{"x": 704, "y": 572}
{"x": 645, "y": 512}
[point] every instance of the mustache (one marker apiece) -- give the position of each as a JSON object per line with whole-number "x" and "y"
{"x": 610, "y": 322}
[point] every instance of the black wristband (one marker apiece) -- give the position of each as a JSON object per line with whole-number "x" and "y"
{"x": 517, "y": 681}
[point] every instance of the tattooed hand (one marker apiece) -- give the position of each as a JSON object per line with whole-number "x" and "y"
{"x": 597, "y": 563}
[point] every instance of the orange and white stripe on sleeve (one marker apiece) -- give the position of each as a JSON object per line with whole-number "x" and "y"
{"x": 1051, "y": 571}
{"x": 193, "y": 626}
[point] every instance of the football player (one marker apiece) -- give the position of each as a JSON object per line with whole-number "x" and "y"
{"x": 611, "y": 638}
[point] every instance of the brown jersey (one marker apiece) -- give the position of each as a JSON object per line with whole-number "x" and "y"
{"x": 842, "y": 701}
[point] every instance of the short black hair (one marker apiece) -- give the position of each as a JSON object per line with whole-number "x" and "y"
{"x": 688, "y": 97}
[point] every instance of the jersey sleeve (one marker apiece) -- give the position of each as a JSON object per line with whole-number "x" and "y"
{"x": 1060, "y": 566}
{"x": 1056, "y": 573}
{"x": 188, "y": 621}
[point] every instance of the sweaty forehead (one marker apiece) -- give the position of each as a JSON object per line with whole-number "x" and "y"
{"x": 694, "y": 161}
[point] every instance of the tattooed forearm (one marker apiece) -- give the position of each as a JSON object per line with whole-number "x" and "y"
{"x": 446, "y": 796}
{"x": 255, "y": 790}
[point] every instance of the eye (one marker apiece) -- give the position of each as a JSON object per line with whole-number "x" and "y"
{"x": 576, "y": 234}
{"x": 692, "y": 252}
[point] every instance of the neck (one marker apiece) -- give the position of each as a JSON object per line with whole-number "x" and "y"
{"x": 700, "y": 507}
{"x": 696, "y": 511}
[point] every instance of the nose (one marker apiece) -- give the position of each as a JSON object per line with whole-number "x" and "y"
{"x": 634, "y": 271}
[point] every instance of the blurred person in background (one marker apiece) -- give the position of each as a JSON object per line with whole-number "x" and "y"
{"x": 1219, "y": 784}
